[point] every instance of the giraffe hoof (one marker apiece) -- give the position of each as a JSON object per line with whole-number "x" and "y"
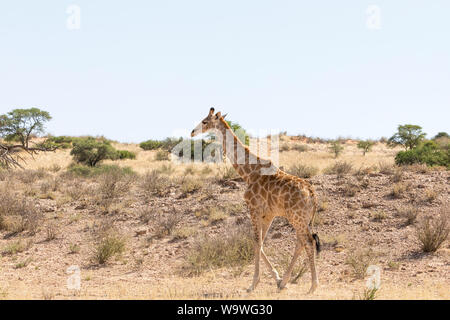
{"x": 250, "y": 290}
{"x": 280, "y": 284}
{"x": 313, "y": 288}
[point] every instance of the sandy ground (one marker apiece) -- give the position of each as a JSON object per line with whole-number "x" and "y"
{"x": 367, "y": 219}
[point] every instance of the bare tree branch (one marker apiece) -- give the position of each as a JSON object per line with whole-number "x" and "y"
{"x": 9, "y": 157}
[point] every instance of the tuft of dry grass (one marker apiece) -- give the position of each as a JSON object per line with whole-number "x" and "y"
{"x": 154, "y": 183}
{"x": 17, "y": 214}
{"x": 339, "y": 168}
{"x": 166, "y": 223}
{"x": 433, "y": 232}
{"x": 110, "y": 245}
{"x": 430, "y": 195}
{"x": 379, "y": 216}
{"x": 409, "y": 213}
{"x": 359, "y": 261}
{"x": 234, "y": 249}
{"x": 303, "y": 171}
{"x": 398, "y": 190}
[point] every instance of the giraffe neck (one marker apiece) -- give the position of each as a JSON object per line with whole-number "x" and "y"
{"x": 247, "y": 164}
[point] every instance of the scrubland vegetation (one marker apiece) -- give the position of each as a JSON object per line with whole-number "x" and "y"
{"x": 140, "y": 226}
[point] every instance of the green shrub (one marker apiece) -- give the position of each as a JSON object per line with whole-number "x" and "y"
{"x": 428, "y": 153}
{"x": 409, "y": 136}
{"x": 91, "y": 151}
{"x": 365, "y": 146}
{"x": 88, "y": 172}
{"x": 109, "y": 246}
{"x": 336, "y": 148}
{"x": 125, "y": 154}
{"x": 150, "y": 144}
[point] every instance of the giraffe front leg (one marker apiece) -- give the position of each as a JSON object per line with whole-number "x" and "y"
{"x": 258, "y": 247}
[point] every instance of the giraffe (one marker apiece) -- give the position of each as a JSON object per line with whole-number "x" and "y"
{"x": 270, "y": 192}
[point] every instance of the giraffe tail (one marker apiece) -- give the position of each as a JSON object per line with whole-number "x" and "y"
{"x": 317, "y": 241}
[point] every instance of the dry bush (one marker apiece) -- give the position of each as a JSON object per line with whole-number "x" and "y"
{"x": 284, "y": 147}
{"x": 226, "y": 173}
{"x": 190, "y": 185}
{"x": 397, "y": 176}
{"x": 300, "y": 147}
{"x": 30, "y": 176}
{"x": 167, "y": 169}
{"x": 433, "y": 232}
{"x": 339, "y": 168}
{"x": 51, "y": 232}
{"x": 109, "y": 243}
{"x": 17, "y": 214}
{"x": 303, "y": 171}
{"x": 359, "y": 261}
{"x": 184, "y": 233}
{"x": 146, "y": 214}
{"x": 323, "y": 204}
{"x": 162, "y": 155}
{"x": 233, "y": 249}
{"x": 418, "y": 168}
{"x": 108, "y": 247}
{"x": 409, "y": 213}
{"x": 165, "y": 223}
{"x": 15, "y": 247}
{"x": 77, "y": 190}
{"x": 211, "y": 215}
{"x": 430, "y": 195}
{"x": 113, "y": 185}
{"x": 155, "y": 183}
{"x": 378, "y": 215}
{"x": 386, "y": 168}
{"x": 190, "y": 170}
{"x": 398, "y": 190}
{"x": 350, "y": 189}
{"x": 51, "y": 184}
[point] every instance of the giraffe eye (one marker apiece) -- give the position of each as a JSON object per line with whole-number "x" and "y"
{"x": 204, "y": 122}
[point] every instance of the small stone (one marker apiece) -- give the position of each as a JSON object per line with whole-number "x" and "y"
{"x": 140, "y": 232}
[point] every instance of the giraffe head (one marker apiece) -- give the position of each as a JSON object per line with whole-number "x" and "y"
{"x": 212, "y": 121}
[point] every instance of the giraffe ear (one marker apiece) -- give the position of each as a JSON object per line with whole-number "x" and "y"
{"x": 224, "y": 115}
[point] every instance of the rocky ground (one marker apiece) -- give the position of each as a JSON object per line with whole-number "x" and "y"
{"x": 363, "y": 220}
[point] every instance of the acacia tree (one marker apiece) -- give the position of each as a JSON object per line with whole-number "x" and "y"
{"x": 409, "y": 136}
{"x": 21, "y": 124}
{"x": 365, "y": 146}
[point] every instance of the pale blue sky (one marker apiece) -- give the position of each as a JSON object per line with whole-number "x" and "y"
{"x": 149, "y": 69}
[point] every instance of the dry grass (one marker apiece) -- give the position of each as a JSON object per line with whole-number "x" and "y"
{"x": 17, "y": 213}
{"x": 433, "y": 232}
{"x": 303, "y": 171}
{"x": 110, "y": 245}
{"x": 359, "y": 261}
{"x": 409, "y": 213}
{"x": 235, "y": 249}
